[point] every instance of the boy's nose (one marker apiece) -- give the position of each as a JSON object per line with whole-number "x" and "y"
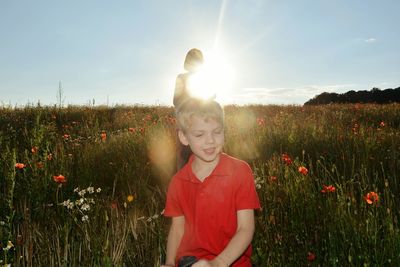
{"x": 210, "y": 139}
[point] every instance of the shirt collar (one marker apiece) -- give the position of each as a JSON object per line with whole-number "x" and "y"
{"x": 223, "y": 168}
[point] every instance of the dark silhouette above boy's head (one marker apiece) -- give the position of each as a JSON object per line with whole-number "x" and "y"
{"x": 194, "y": 59}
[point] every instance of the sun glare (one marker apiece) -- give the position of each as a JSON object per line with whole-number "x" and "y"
{"x": 214, "y": 78}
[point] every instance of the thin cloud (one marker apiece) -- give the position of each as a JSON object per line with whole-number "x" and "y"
{"x": 370, "y": 40}
{"x": 294, "y": 95}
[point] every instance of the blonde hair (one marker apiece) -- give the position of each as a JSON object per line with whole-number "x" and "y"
{"x": 205, "y": 109}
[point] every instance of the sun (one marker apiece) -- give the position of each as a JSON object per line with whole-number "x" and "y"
{"x": 214, "y": 78}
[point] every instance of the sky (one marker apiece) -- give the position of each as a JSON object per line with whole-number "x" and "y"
{"x": 129, "y": 52}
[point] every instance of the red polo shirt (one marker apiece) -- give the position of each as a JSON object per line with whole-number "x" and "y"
{"x": 210, "y": 207}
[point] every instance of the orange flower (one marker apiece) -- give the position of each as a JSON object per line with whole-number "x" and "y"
{"x": 371, "y": 198}
{"x": 20, "y": 165}
{"x": 130, "y": 198}
{"x": 328, "y": 189}
{"x": 311, "y": 256}
{"x": 59, "y": 179}
{"x": 286, "y": 159}
{"x": 303, "y": 170}
{"x": 103, "y": 136}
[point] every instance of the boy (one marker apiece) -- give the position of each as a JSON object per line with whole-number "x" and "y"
{"x": 212, "y": 198}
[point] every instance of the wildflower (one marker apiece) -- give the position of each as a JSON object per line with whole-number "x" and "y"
{"x": 80, "y": 201}
{"x": 382, "y": 124}
{"x": 261, "y": 121}
{"x": 59, "y": 179}
{"x": 130, "y": 198}
{"x": 50, "y": 156}
{"x": 328, "y": 189}
{"x": 273, "y": 178}
{"x": 114, "y": 205}
{"x": 98, "y": 190}
{"x": 286, "y": 159}
{"x": 20, "y": 240}
{"x": 34, "y": 149}
{"x": 68, "y": 203}
{"x": 82, "y": 192}
{"x": 355, "y": 128}
{"x": 76, "y": 189}
{"x": 10, "y": 245}
{"x": 131, "y": 129}
{"x": 371, "y": 198}
{"x": 258, "y": 182}
{"x": 85, "y": 207}
{"x": 311, "y": 256}
{"x": 90, "y": 189}
{"x": 85, "y": 218}
{"x": 66, "y": 136}
{"x": 20, "y": 166}
{"x": 303, "y": 170}
{"x": 39, "y": 165}
{"x": 103, "y": 136}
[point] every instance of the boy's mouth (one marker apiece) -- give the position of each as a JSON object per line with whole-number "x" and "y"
{"x": 209, "y": 151}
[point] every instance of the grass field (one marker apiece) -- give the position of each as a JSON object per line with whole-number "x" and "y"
{"x": 85, "y": 186}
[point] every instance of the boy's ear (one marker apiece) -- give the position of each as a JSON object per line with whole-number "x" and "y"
{"x": 182, "y": 138}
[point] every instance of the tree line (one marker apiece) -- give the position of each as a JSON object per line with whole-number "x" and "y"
{"x": 375, "y": 95}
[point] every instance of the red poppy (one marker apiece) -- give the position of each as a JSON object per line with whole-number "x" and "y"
{"x": 382, "y": 124}
{"x": 273, "y": 178}
{"x": 103, "y": 136}
{"x": 371, "y": 198}
{"x": 260, "y": 121}
{"x": 328, "y": 189}
{"x": 286, "y": 159}
{"x": 59, "y": 179}
{"x": 303, "y": 170}
{"x": 66, "y": 136}
{"x": 39, "y": 165}
{"x": 34, "y": 149}
{"x": 20, "y": 165}
{"x": 311, "y": 256}
{"x": 131, "y": 129}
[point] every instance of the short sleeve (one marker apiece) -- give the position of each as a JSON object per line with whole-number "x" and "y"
{"x": 172, "y": 206}
{"x": 246, "y": 195}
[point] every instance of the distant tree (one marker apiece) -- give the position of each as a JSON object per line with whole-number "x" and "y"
{"x": 375, "y": 95}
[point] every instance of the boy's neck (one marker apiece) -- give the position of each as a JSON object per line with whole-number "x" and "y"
{"x": 203, "y": 169}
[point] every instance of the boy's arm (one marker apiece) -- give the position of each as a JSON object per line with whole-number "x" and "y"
{"x": 239, "y": 242}
{"x": 174, "y": 239}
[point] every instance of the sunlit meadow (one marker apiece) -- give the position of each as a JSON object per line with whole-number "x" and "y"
{"x": 85, "y": 186}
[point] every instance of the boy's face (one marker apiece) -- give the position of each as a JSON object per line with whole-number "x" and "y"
{"x": 205, "y": 138}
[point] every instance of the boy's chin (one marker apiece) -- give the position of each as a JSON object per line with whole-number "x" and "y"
{"x": 209, "y": 158}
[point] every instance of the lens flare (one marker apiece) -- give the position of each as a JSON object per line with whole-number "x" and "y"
{"x": 214, "y": 79}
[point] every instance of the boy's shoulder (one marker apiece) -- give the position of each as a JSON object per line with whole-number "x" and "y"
{"x": 230, "y": 165}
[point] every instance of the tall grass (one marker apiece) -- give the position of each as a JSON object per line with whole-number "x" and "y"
{"x": 129, "y": 153}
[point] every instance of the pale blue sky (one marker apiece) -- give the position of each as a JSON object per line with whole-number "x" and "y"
{"x": 129, "y": 52}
